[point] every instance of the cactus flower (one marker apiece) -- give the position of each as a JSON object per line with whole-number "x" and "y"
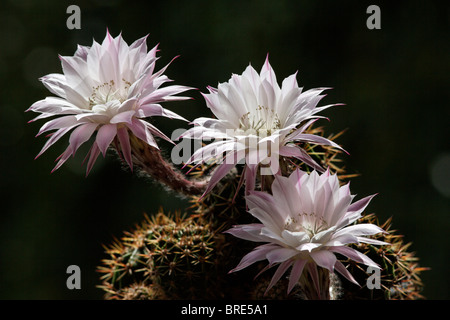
{"x": 256, "y": 122}
{"x": 304, "y": 223}
{"x": 106, "y": 89}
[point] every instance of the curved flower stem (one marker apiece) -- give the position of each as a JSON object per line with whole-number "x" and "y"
{"x": 150, "y": 160}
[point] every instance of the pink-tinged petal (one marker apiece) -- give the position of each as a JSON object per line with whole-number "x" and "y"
{"x": 82, "y": 52}
{"x": 63, "y": 158}
{"x": 359, "y": 206}
{"x": 286, "y": 195}
{"x": 281, "y": 270}
{"x": 266, "y": 210}
{"x": 362, "y": 229}
{"x": 267, "y": 267}
{"x": 249, "y": 232}
{"x": 140, "y": 44}
{"x": 58, "y": 123}
{"x": 296, "y": 178}
{"x": 301, "y": 129}
{"x": 289, "y": 83}
{"x": 294, "y": 238}
{"x": 257, "y": 254}
{"x": 250, "y": 177}
{"x": 105, "y": 136}
{"x": 76, "y": 98}
{"x": 319, "y": 109}
{"x": 93, "y": 154}
{"x": 166, "y": 94}
{"x": 371, "y": 241}
{"x": 315, "y": 139}
{"x": 324, "y": 259}
{"x": 76, "y": 74}
{"x": 342, "y": 240}
{"x": 240, "y": 183}
{"x": 280, "y": 255}
{"x": 271, "y": 90}
{"x": 155, "y": 131}
{"x": 151, "y": 110}
{"x": 324, "y": 236}
{"x": 55, "y": 106}
{"x": 268, "y": 73}
{"x": 340, "y": 210}
{"x": 349, "y": 218}
{"x": 211, "y": 151}
{"x": 339, "y": 267}
{"x": 55, "y": 83}
{"x": 354, "y": 255}
{"x": 53, "y": 139}
{"x": 308, "y": 246}
{"x": 124, "y": 117}
{"x": 124, "y": 140}
{"x": 296, "y": 273}
{"x": 107, "y": 70}
{"x": 93, "y": 59}
{"x": 128, "y": 105}
{"x": 81, "y": 134}
{"x": 299, "y": 153}
{"x": 140, "y": 130}
{"x": 312, "y": 270}
{"x": 220, "y": 172}
{"x": 41, "y": 116}
{"x": 272, "y": 236}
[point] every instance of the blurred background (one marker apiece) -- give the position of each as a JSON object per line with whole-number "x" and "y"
{"x": 394, "y": 82}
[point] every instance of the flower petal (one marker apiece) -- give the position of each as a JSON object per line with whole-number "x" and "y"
{"x": 105, "y": 136}
{"x": 280, "y": 255}
{"x": 81, "y": 134}
{"x": 251, "y": 232}
{"x": 339, "y": 267}
{"x": 123, "y": 117}
{"x": 220, "y": 172}
{"x": 299, "y": 153}
{"x": 257, "y": 254}
{"x": 278, "y": 274}
{"x": 140, "y": 130}
{"x": 324, "y": 259}
{"x": 93, "y": 155}
{"x": 354, "y": 255}
{"x": 124, "y": 140}
{"x": 296, "y": 273}
{"x": 54, "y": 138}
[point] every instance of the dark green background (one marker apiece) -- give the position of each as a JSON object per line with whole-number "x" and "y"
{"x": 394, "y": 82}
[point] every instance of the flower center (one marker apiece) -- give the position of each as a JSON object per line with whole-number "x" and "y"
{"x": 109, "y": 92}
{"x": 263, "y": 121}
{"x": 306, "y": 222}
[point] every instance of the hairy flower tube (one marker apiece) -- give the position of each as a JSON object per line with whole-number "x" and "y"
{"x": 306, "y": 220}
{"x": 257, "y": 121}
{"x": 108, "y": 89}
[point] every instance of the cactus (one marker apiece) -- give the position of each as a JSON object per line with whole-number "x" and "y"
{"x": 400, "y": 273}
{"x": 168, "y": 256}
{"x": 186, "y": 256}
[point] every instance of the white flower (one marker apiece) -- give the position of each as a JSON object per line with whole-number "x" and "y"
{"x": 304, "y": 223}
{"x": 257, "y": 121}
{"x": 108, "y": 88}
